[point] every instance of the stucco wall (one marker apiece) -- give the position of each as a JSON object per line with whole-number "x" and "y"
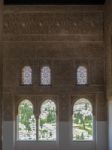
{"x": 62, "y": 37}
{"x": 108, "y": 48}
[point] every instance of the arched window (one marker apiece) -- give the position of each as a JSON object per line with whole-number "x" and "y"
{"x": 27, "y": 75}
{"x": 82, "y": 75}
{"x": 82, "y": 120}
{"x": 45, "y": 75}
{"x": 47, "y": 121}
{"x": 26, "y": 123}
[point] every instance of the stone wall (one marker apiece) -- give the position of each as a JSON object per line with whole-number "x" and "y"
{"x": 108, "y": 48}
{"x": 1, "y": 72}
{"x": 62, "y": 37}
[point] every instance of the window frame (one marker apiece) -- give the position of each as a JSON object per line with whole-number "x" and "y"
{"x": 36, "y": 110}
{"x": 74, "y": 100}
{"x": 21, "y": 75}
{"x": 45, "y": 85}
{"x": 16, "y": 120}
{"x": 76, "y": 64}
{"x": 77, "y": 75}
{"x": 56, "y": 120}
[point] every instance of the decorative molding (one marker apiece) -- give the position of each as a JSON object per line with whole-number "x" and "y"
{"x": 53, "y": 8}
{"x": 50, "y": 23}
{"x": 90, "y": 97}
{"x": 54, "y": 38}
{"x": 64, "y": 107}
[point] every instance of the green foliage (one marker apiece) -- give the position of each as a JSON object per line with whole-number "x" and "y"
{"x": 47, "y": 121}
{"x": 83, "y": 122}
{"x": 42, "y": 122}
{"x": 51, "y": 117}
{"x": 25, "y": 114}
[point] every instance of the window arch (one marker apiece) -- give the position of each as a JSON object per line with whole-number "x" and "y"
{"x": 47, "y": 121}
{"x": 26, "y": 75}
{"x": 82, "y": 75}
{"x": 45, "y": 75}
{"x": 82, "y": 120}
{"x": 26, "y": 122}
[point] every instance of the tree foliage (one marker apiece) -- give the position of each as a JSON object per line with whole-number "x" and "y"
{"x": 82, "y": 121}
{"x": 25, "y": 115}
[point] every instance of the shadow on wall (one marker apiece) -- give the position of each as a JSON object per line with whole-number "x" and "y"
{"x": 110, "y": 123}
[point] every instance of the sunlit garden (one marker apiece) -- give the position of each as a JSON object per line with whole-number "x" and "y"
{"x": 82, "y": 120}
{"x": 26, "y": 123}
{"x": 47, "y": 121}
